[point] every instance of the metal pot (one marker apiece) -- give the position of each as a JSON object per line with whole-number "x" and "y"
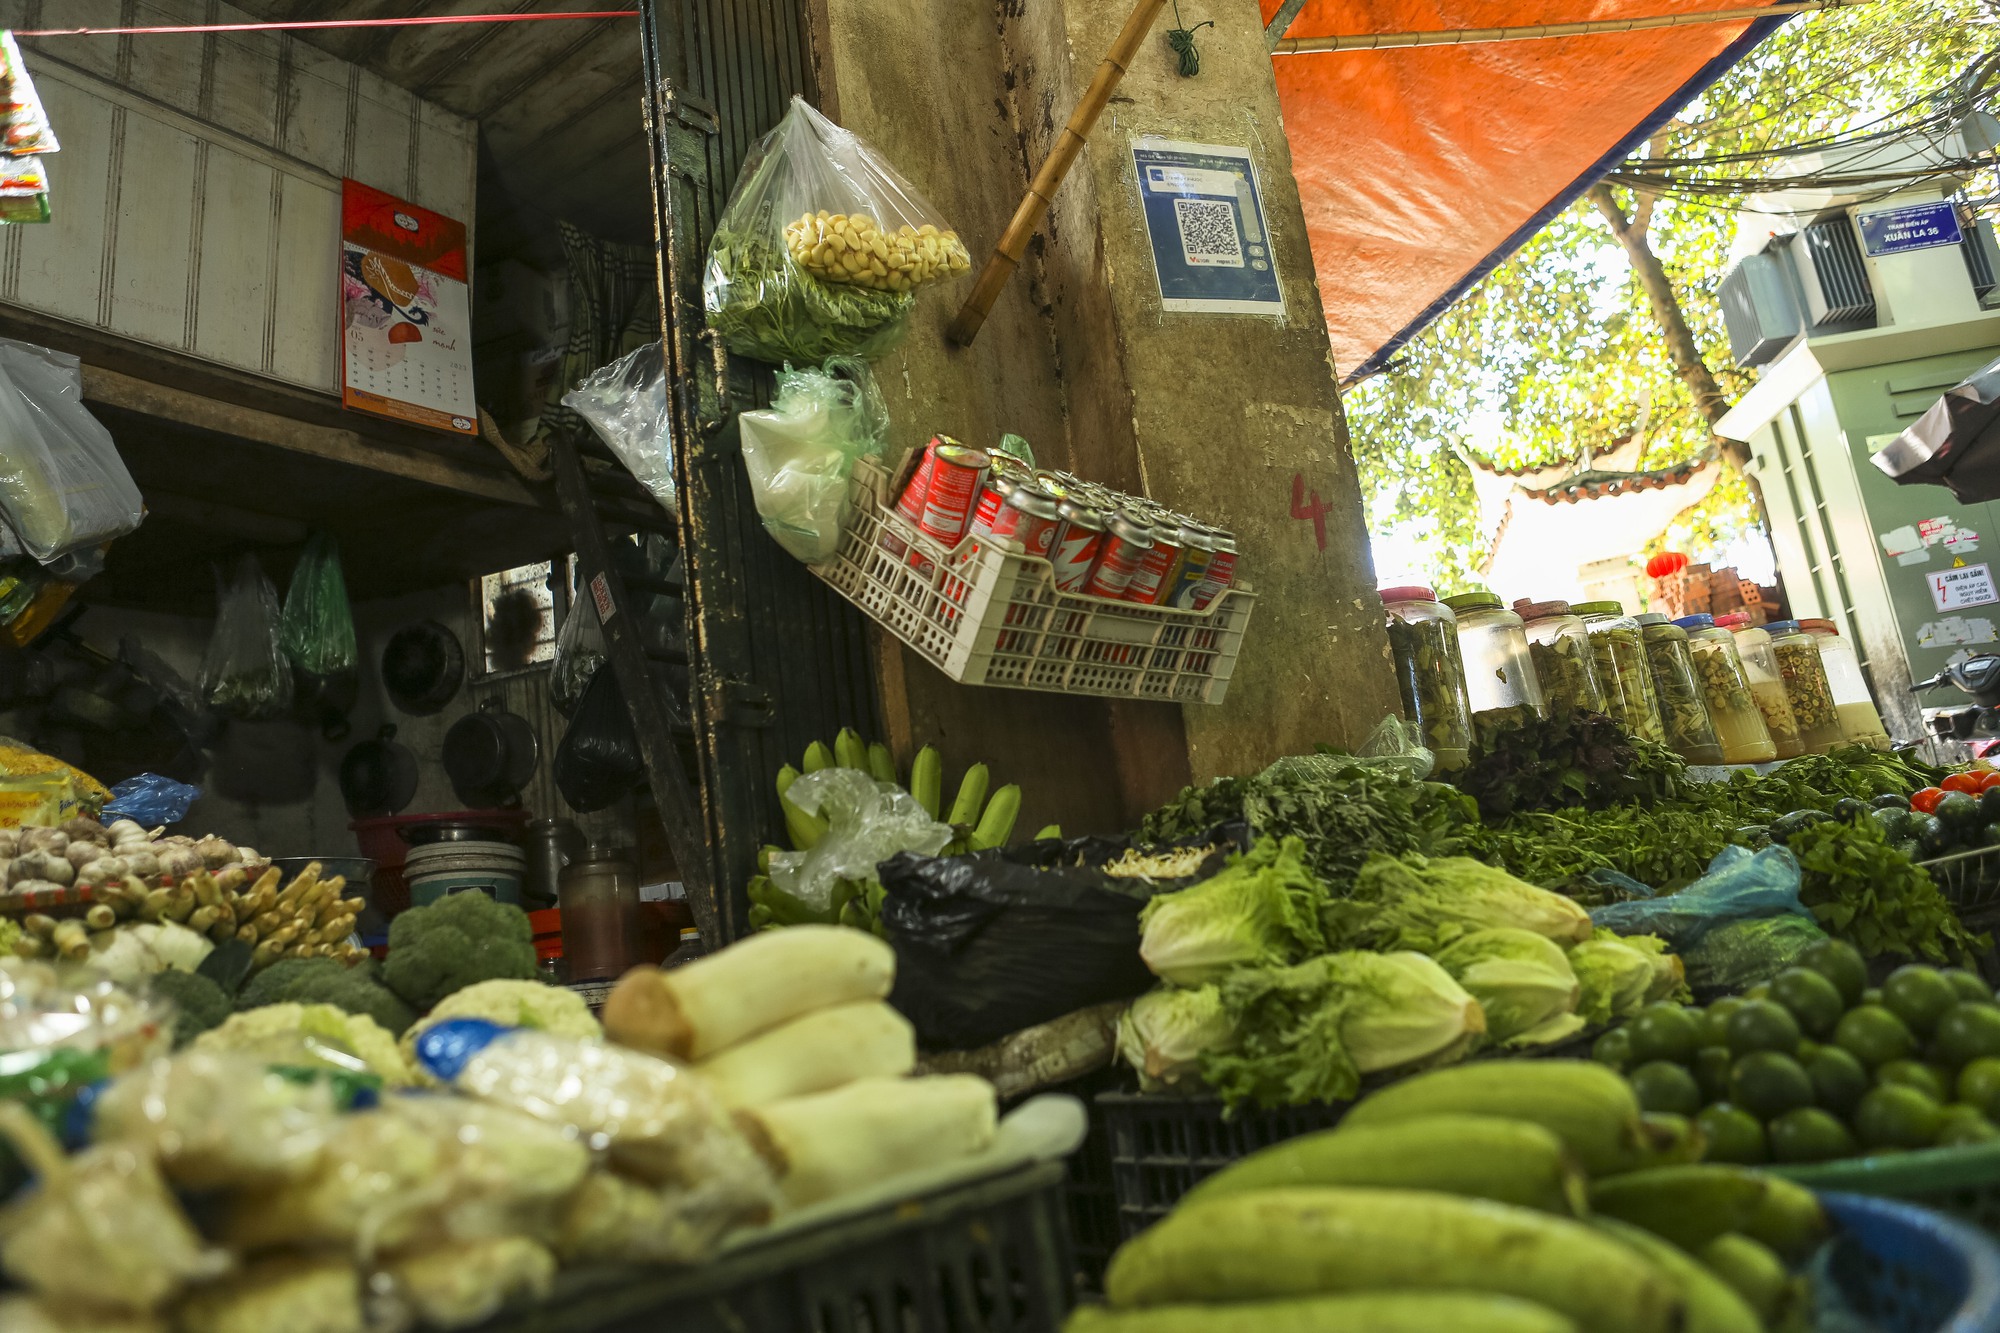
{"x": 490, "y": 755}
{"x": 422, "y": 667}
{"x": 378, "y": 777}
{"x": 462, "y": 826}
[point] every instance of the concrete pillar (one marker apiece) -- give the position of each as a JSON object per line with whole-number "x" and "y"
{"x": 1236, "y": 418}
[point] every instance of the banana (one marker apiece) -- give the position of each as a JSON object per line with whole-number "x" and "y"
{"x": 805, "y": 830}
{"x": 849, "y": 750}
{"x": 786, "y": 777}
{"x": 971, "y": 796}
{"x": 1052, "y": 831}
{"x": 1688, "y": 1205}
{"x": 881, "y": 764}
{"x": 997, "y": 824}
{"x": 927, "y": 779}
{"x": 817, "y": 757}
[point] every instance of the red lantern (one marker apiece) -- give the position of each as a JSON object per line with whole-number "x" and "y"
{"x": 1665, "y": 563}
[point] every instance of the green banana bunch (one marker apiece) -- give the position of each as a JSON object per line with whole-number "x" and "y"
{"x": 979, "y": 822}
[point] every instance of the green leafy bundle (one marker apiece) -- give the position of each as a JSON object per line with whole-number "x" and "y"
{"x": 1522, "y": 761}
{"x": 1875, "y": 897}
{"x": 1261, "y": 909}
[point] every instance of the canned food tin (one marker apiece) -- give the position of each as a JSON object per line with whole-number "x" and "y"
{"x": 1154, "y": 578}
{"x": 1125, "y": 548}
{"x": 1078, "y": 537}
{"x": 910, "y": 504}
{"x": 1219, "y": 575}
{"x": 953, "y": 494}
{"x": 1025, "y": 522}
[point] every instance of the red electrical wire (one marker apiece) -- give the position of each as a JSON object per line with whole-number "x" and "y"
{"x": 326, "y": 23}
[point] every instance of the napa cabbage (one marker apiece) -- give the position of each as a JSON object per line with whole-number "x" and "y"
{"x": 1166, "y": 1032}
{"x": 1260, "y": 910}
{"x": 1414, "y": 902}
{"x": 1521, "y": 979}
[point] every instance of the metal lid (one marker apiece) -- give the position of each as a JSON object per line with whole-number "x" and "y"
{"x": 1475, "y": 601}
{"x": 1224, "y": 541}
{"x": 1700, "y": 621}
{"x": 1079, "y": 515}
{"x": 1195, "y": 535}
{"x": 1651, "y": 618}
{"x": 1033, "y": 500}
{"x": 1409, "y": 593}
{"x": 961, "y": 455}
{"x": 1781, "y": 626}
{"x": 1531, "y": 611}
{"x": 1598, "y": 608}
{"x": 1131, "y": 531}
{"x": 1820, "y": 627}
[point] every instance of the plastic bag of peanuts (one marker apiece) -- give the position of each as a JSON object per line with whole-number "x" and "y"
{"x": 821, "y": 247}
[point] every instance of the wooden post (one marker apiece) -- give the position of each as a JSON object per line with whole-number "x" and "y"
{"x": 1035, "y": 204}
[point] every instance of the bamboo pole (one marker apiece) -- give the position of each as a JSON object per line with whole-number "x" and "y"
{"x": 1035, "y": 204}
{"x": 1382, "y": 41}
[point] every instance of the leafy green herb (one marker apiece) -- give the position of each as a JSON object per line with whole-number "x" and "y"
{"x": 1875, "y": 897}
{"x": 1522, "y": 761}
{"x": 764, "y": 306}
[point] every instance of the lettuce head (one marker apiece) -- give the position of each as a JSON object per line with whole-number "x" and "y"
{"x": 1166, "y": 1032}
{"x": 1616, "y": 978}
{"x": 1669, "y": 972}
{"x": 1260, "y": 910}
{"x": 1521, "y": 979}
{"x": 1414, "y": 902}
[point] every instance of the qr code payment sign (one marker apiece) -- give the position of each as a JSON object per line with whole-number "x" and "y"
{"x": 1209, "y": 238}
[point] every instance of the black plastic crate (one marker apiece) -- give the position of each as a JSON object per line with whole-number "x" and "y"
{"x": 1162, "y": 1147}
{"x": 1091, "y": 1189}
{"x": 989, "y": 1257}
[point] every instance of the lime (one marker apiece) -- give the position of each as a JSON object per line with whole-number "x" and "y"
{"x": 1969, "y": 985}
{"x": 1873, "y": 1035}
{"x": 1715, "y": 1020}
{"x": 1964, "y": 1124}
{"x": 1809, "y": 1135}
{"x": 1733, "y": 1135}
{"x": 1969, "y": 1031}
{"x": 1760, "y": 991}
{"x": 1919, "y": 996}
{"x": 1763, "y": 1025}
{"x": 1676, "y": 1140}
{"x": 1769, "y": 1083}
{"x": 1841, "y": 963}
{"x": 1662, "y": 1085}
{"x": 1838, "y": 1079}
{"x": 1614, "y": 1048}
{"x": 1911, "y": 1074}
{"x": 1812, "y": 998}
{"x": 1979, "y": 1085}
{"x": 1711, "y": 1070}
{"x": 1663, "y": 1031}
{"x": 1895, "y": 1116}
{"x": 1808, "y": 1048}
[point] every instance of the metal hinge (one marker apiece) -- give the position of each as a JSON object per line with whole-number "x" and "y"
{"x": 740, "y": 703}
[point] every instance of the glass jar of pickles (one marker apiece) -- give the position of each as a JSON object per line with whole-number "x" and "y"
{"x": 1423, "y": 644}
{"x": 1806, "y": 687}
{"x": 1767, "y": 683}
{"x": 1618, "y": 655}
{"x": 1739, "y": 724}
{"x": 1559, "y": 647}
{"x": 1683, "y": 709}
{"x": 1499, "y": 672}
{"x": 1860, "y": 721}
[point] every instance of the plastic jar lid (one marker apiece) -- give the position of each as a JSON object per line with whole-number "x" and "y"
{"x": 1528, "y": 610}
{"x": 1475, "y": 601}
{"x": 1651, "y": 618}
{"x": 1598, "y": 608}
{"x": 1700, "y": 621}
{"x": 1734, "y": 620}
{"x": 1412, "y": 593}
{"x": 1820, "y": 627}
{"x": 1782, "y": 627}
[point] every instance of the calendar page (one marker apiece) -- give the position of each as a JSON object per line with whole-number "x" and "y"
{"x": 406, "y": 312}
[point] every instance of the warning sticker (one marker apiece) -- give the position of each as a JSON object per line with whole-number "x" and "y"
{"x": 1957, "y": 589}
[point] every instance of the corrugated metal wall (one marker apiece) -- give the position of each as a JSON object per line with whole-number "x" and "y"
{"x": 197, "y": 194}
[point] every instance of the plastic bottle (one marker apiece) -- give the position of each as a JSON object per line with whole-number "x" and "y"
{"x": 1806, "y": 689}
{"x": 689, "y": 949}
{"x": 1619, "y": 653}
{"x": 1559, "y": 645}
{"x": 1767, "y": 683}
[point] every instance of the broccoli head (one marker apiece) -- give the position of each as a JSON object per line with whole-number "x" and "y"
{"x": 356, "y": 990}
{"x": 199, "y": 1004}
{"x": 454, "y": 942}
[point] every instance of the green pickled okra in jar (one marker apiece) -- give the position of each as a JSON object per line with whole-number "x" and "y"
{"x": 1684, "y": 715}
{"x": 1430, "y": 674}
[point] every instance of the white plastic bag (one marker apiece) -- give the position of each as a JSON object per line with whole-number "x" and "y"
{"x": 626, "y": 404}
{"x": 867, "y": 823}
{"x": 62, "y": 484}
{"x": 800, "y": 451}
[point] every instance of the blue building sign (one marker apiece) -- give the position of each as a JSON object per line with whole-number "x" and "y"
{"x": 1916, "y": 227}
{"x": 1205, "y": 217}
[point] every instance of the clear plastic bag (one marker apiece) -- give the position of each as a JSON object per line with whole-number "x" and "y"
{"x": 62, "y": 484}
{"x": 820, "y": 247}
{"x": 317, "y": 627}
{"x": 215, "y": 1119}
{"x": 626, "y": 404}
{"x": 1738, "y": 924}
{"x": 245, "y": 673}
{"x": 580, "y": 651}
{"x": 867, "y": 823}
{"x": 801, "y": 450}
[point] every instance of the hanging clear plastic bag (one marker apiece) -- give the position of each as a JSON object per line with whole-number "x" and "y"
{"x": 867, "y": 823}
{"x": 580, "y": 651}
{"x": 820, "y": 247}
{"x": 244, "y": 672}
{"x": 800, "y": 452}
{"x": 62, "y": 484}
{"x": 626, "y": 404}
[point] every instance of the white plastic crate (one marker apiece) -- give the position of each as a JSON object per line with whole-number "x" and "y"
{"x": 990, "y": 617}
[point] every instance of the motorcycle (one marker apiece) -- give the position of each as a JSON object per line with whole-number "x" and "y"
{"x": 1976, "y": 724}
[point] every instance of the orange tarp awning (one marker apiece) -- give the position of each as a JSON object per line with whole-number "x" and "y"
{"x": 1423, "y": 168}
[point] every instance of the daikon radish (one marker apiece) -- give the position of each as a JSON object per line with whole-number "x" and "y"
{"x": 834, "y": 1142}
{"x": 812, "y": 1054}
{"x": 751, "y": 987}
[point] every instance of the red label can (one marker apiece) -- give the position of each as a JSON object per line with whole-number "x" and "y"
{"x": 953, "y": 494}
{"x": 1078, "y": 537}
{"x": 1154, "y": 578}
{"x": 1125, "y": 548}
{"x": 1026, "y": 522}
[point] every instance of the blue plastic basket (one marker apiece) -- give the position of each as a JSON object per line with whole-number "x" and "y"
{"x": 1911, "y": 1270}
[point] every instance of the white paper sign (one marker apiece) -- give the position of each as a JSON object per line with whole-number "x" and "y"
{"x": 1957, "y": 589}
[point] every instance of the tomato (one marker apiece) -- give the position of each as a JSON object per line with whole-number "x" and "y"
{"x": 1989, "y": 781}
{"x": 1927, "y": 800}
{"x": 1965, "y": 782}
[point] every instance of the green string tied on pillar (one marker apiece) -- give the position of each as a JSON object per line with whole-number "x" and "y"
{"x": 1182, "y": 41}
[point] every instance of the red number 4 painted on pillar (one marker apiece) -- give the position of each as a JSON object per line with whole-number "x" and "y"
{"x": 1316, "y": 511}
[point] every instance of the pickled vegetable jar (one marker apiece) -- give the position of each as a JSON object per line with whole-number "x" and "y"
{"x": 1559, "y": 647}
{"x": 1806, "y": 687}
{"x": 1767, "y": 683}
{"x": 1619, "y": 656}
{"x": 1739, "y": 723}
{"x": 1683, "y": 709}
{"x": 1860, "y": 722}
{"x": 1423, "y": 642}
{"x": 1499, "y": 672}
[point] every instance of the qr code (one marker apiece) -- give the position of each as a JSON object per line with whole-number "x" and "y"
{"x": 1208, "y": 233}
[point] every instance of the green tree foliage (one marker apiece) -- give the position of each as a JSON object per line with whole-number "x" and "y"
{"x": 1559, "y": 349}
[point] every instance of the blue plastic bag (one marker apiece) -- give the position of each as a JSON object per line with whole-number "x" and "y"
{"x": 1740, "y": 923}
{"x": 151, "y": 800}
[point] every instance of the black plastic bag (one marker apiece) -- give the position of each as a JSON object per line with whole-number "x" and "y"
{"x": 998, "y": 941}
{"x": 1956, "y": 444}
{"x": 598, "y": 760}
